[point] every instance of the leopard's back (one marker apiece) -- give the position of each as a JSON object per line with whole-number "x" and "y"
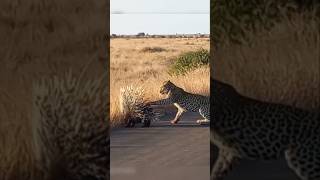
{"x": 260, "y": 130}
{"x": 192, "y": 103}
{"x": 246, "y": 128}
{"x": 189, "y": 101}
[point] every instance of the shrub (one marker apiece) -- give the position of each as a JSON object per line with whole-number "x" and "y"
{"x": 231, "y": 19}
{"x": 269, "y": 66}
{"x": 189, "y": 61}
{"x": 152, "y": 49}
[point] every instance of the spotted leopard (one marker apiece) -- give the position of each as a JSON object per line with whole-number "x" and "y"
{"x": 184, "y": 101}
{"x": 244, "y": 128}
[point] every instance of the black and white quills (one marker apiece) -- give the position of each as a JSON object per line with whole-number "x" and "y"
{"x": 70, "y": 128}
{"x": 135, "y": 108}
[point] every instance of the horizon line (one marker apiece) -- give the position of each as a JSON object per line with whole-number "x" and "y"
{"x": 160, "y": 12}
{"x": 147, "y": 34}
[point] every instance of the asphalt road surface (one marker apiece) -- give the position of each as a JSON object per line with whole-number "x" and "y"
{"x": 162, "y": 151}
{"x": 179, "y": 152}
{"x": 259, "y": 170}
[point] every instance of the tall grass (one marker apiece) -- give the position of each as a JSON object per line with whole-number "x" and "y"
{"x": 233, "y": 18}
{"x": 280, "y": 64}
{"x": 130, "y": 66}
{"x": 41, "y": 38}
{"x": 196, "y": 81}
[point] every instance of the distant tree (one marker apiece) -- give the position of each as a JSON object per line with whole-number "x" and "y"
{"x": 141, "y": 34}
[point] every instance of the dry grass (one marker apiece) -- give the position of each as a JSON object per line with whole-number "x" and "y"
{"x": 130, "y": 65}
{"x": 152, "y": 49}
{"x": 37, "y": 41}
{"x": 280, "y": 65}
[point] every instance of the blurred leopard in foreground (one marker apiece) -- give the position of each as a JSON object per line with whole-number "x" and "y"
{"x": 244, "y": 128}
{"x": 184, "y": 101}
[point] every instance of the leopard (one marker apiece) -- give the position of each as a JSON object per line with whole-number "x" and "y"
{"x": 184, "y": 101}
{"x": 251, "y": 129}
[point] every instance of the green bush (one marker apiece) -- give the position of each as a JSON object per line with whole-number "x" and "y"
{"x": 232, "y": 18}
{"x": 189, "y": 61}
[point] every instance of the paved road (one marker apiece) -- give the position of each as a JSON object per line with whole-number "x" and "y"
{"x": 161, "y": 152}
{"x": 180, "y": 152}
{"x": 258, "y": 170}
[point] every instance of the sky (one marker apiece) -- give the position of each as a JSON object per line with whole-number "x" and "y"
{"x": 159, "y": 16}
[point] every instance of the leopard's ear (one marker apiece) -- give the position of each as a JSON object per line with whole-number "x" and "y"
{"x": 169, "y": 82}
{"x": 165, "y": 82}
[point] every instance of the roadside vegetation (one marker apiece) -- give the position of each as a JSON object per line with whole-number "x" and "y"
{"x": 274, "y": 57}
{"x": 137, "y": 62}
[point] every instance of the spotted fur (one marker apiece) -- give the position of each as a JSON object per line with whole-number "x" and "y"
{"x": 184, "y": 101}
{"x": 244, "y": 128}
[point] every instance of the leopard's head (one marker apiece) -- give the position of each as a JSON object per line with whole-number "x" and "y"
{"x": 167, "y": 87}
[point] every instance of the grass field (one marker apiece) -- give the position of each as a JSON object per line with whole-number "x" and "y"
{"x": 145, "y": 62}
{"x": 278, "y": 65}
{"x": 36, "y": 41}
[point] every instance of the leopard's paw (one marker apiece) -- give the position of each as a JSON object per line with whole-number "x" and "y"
{"x": 173, "y": 122}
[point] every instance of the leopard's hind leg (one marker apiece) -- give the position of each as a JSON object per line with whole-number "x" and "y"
{"x": 223, "y": 165}
{"x": 204, "y": 112}
{"x": 305, "y": 161}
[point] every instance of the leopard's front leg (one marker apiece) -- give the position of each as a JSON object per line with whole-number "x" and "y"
{"x": 178, "y": 115}
{"x": 160, "y": 102}
{"x": 223, "y": 165}
{"x": 177, "y": 118}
